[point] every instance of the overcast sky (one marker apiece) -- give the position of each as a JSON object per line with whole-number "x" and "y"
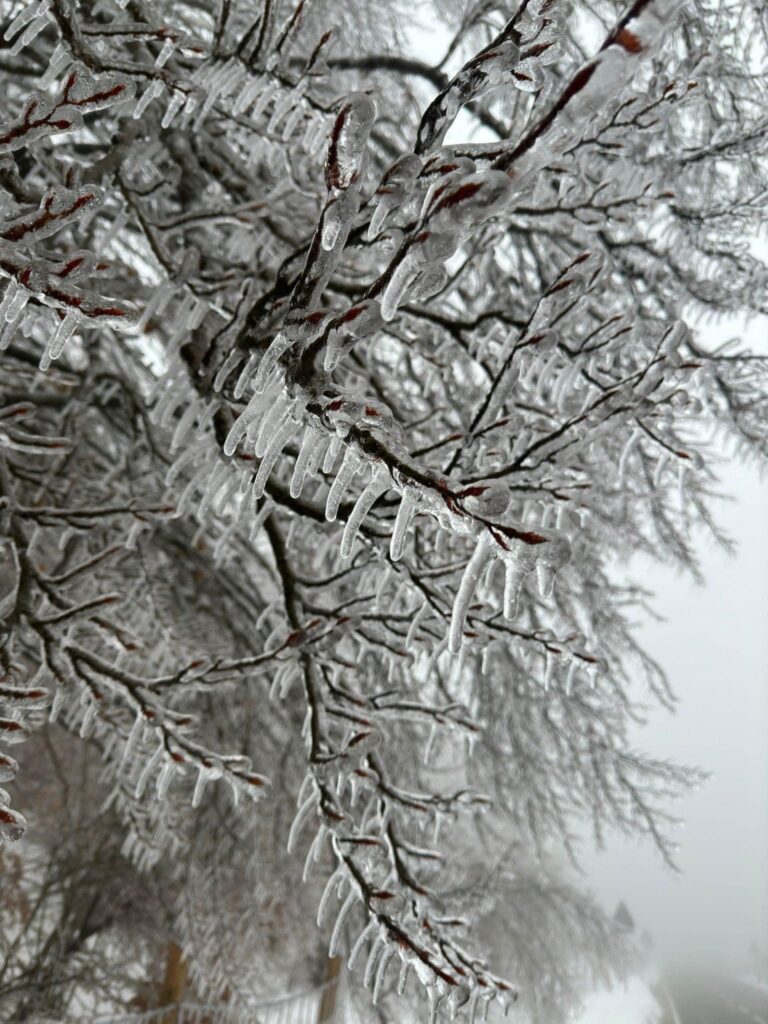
{"x": 714, "y": 647}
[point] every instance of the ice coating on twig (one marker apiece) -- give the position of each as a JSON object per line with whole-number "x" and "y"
{"x": 348, "y": 141}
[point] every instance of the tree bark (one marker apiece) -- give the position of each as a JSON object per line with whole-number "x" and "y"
{"x": 173, "y": 982}
{"x": 327, "y": 1009}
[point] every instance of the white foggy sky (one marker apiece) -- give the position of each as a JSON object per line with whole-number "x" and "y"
{"x": 714, "y": 647}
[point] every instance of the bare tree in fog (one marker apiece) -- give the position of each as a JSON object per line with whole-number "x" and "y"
{"x": 322, "y": 432}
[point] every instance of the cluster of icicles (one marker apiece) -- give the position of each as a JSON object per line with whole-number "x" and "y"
{"x": 155, "y": 751}
{"x": 271, "y": 419}
{"x": 376, "y": 946}
{"x": 15, "y": 703}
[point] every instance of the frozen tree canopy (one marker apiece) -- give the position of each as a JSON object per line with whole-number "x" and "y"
{"x": 337, "y": 385}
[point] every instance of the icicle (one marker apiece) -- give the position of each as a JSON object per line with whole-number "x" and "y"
{"x": 348, "y": 470}
{"x": 515, "y": 574}
{"x": 206, "y": 416}
{"x": 11, "y": 291}
{"x": 7, "y": 332}
{"x": 28, "y": 13}
{"x": 332, "y": 453}
{"x": 157, "y": 303}
{"x": 226, "y": 369}
{"x": 200, "y": 784}
{"x": 177, "y": 102}
{"x": 112, "y": 231}
{"x": 246, "y": 97}
{"x": 280, "y": 109}
{"x": 277, "y": 347}
{"x": 164, "y": 780}
{"x": 212, "y": 485}
{"x": 167, "y": 405}
{"x": 312, "y": 854}
{"x": 180, "y": 435}
{"x": 59, "y": 60}
{"x": 349, "y": 902}
{"x": 384, "y": 577}
{"x": 16, "y": 305}
{"x": 271, "y": 455}
{"x": 383, "y": 207}
{"x": 630, "y": 444}
{"x": 149, "y": 94}
{"x": 661, "y": 465}
{"x": 429, "y": 745}
{"x": 165, "y": 53}
{"x": 415, "y": 623}
{"x": 56, "y": 706}
{"x": 192, "y": 485}
{"x": 281, "y": 681}
{"x": 133, "y": 738}
{"x": 475, "y": 567}
{"x": 549, "y": 668}
{"x": 33, "y": 29}
{"x": 260, "y": 519}
{"x": 360, "y": 942}
{"x": 241, "y": 425}
{"x": 381, "y": 973}
{"x": 149, "y": 767}
{"x": 402, "y": 278}
{"x": 333, "y": 221}
{"x": 378, "y": 485}
{"x": 292, "y": 123}
{"x": 303, "y": 813}
{"x": 65, "y": 330}
{"x": 309, "y": 444}
{"x": 245, "y": 376}
{"x": 86, "y": 725}
{"x": 328, "y": 893}
{"x": 264, "y": 99}
{"x": 545, "y": 575}
{"x": 405, "y": 514}
{"x": 374, "y": 952}
{"x": 273, "y": 419}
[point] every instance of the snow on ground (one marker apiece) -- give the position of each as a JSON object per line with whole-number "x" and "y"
{"x": 631, "y": 1003}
